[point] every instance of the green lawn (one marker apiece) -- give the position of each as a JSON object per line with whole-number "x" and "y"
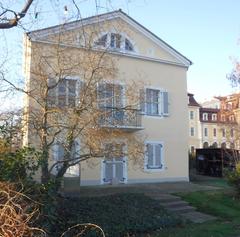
{"x": 219, "y": 204}
{"x": 140, "y": 216}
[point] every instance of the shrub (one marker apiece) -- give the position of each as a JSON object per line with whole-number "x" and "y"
{"x": 233, "y": 177}
{"x": 18, "y": 166}
{"x": 18, "y": 213}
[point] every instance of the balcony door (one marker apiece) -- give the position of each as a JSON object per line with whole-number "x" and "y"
{"x": 111, "y": 100}
{"x": 114, "y": 166}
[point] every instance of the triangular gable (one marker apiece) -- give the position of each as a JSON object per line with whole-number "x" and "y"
{"x": 42, "y": 33}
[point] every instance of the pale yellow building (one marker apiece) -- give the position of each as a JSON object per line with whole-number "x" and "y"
{"x": 215, "y": 125}
{"x": 140, "y": 57}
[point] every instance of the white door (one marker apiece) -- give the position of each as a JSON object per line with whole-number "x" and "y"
{"x": 114, "y": 170}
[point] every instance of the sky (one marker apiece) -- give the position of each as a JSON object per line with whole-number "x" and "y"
{"x": 206, "y": 32}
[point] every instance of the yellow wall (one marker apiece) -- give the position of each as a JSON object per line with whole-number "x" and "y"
{"x": 172, "y": 131}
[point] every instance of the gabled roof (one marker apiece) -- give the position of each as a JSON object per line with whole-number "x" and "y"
{"x": 192, "y": 101}
{"x": 38, "y": 34}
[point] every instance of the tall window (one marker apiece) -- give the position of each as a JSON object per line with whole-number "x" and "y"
{"x": 231, "y": 132}
{"x": 192, "y": 131}
{"x": 223, "y": 132}
{"x": 62, "y": 93}
{"x": 154, "y": 156}
{"x": 59, "y": 152}
{"x": 191, "y": 114}
{"x": 205, "y": 116}
{"x": 115, "y": 41}
{"x": 205, "y": 132}
{"x": 156, "y": 102}
{"x": 214, "y": 132}
{"x": 110, "y": 95}
{"x": 214, "y": 117}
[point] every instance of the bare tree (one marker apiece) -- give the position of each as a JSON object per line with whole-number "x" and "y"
{"x": 10, "y": 18}
{"x": 72, "y": 96}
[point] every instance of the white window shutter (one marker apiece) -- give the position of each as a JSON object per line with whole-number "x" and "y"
{"x": 158, "y": 155}
{"x": 108, "y": 172}
{"x": 119, "y": 171}
{"x": 142, "y": 98}
{"x": 165, "y": 103}
{"x": 150, "y": 155}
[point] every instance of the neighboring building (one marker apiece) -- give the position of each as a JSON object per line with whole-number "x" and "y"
{"x": 217, "y": 124}
{"x": 140, "y": 55}
{"x": 213, "y": 103}
{"x": 194, "y": 124}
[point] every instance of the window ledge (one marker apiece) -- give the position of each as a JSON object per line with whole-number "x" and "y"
{"x": 154, "y": 170}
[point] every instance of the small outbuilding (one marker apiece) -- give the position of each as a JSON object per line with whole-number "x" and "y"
{"x": 212, "y": 161}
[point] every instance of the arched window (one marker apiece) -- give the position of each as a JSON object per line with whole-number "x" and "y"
{"x": 224, "y": 145}
{"x": 115, "y": 41}
{"x": 214, "y": 145}
{"x": 102, "y": 41}
{"x": 205, "y": 145}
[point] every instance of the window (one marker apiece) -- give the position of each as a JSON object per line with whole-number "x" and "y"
{"x": 232, "y": 133}
{"x": 191, "y": 114}
{"x": 205, "y": 145}
{"x": 111, "y": 102}
{"x": 214, "y": 117}
{"x": 223, "y": 132}
{"x": 128, "y": 45}
{"x": 214, "y": 132}
{"x": 154, "y": 156}
{"x": 62, "y": 93}
{"x": 205, "y": 116}
{"x": 192, "y": 131}
{"x": 231, "y": 118}
{"x": 205, "y": 132}
{"x": 192, "y": 150}
{"x": 102, "y": 41}
{"x": 115, "y": 41}
{"x": 59, "y": 152}
{"x": 110, "y": 95}
{"x": 156, "y": 102}
{"x": 223, "y": 118}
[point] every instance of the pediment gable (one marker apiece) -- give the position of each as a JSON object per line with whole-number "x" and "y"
{"x": 145, "y": 44}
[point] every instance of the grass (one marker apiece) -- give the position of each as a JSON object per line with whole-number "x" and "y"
{"x": 142, "y": 217}
{"x": 220, "y": 204}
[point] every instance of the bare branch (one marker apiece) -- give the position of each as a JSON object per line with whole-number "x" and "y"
{"x": 17, "y": 16}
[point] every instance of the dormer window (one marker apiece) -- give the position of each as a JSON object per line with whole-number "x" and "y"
{"x": 205, "y": 117}
{"x": 214, "y": 117}
{"x": 115, "y": 41}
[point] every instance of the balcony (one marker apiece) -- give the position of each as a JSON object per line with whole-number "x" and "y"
{"x": 126, "y": 119}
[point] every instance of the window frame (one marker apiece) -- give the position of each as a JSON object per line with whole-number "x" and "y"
{"x": 112, "y": 44}
{"x": 205, "y": 132}
{"x": 205, "y": 116}
{"x": 152, "y": 169}
{"x": 56, "y": 95}
{"x": 214, "y": 132}
{"x": 161, "y": 113}
{"x": 192, "y": 114}
{"x": 214, "y": 117}
{"x": 117, "y": 83}
{"x": 192, "y": 132}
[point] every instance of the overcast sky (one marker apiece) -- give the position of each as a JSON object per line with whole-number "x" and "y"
{"x": 206, "y": 32}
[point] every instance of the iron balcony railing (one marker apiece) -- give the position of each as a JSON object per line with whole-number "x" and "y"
{"x": 125, "y": 118}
